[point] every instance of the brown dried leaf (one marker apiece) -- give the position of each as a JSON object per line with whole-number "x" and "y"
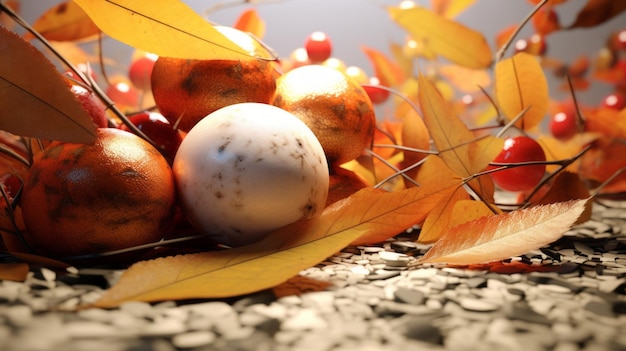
{"x": 498, "y": 237}
{"x": 34, "y": 99}
{"x": 597, "y": 12}
{"x": 14, "y": 271}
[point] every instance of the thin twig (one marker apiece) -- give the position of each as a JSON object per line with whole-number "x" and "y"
{"x": 503, "y": 49}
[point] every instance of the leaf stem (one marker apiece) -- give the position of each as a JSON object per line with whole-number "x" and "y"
{"x": 504, "y": 47}
{"x": 394, "y": 168}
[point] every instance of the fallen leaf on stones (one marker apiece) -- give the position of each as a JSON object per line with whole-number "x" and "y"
{"x": 494, "y": 238}
{"x": 14, "y": 271}
{"x": 278, "y": 257}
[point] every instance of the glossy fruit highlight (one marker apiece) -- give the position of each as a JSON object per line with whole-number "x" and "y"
{"x": 335, "y": 107}
{"x": 82, "y": 199}
{"x": 519, "y": 178}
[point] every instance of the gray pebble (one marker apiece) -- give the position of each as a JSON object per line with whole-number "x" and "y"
{"x": 410, "y": 296}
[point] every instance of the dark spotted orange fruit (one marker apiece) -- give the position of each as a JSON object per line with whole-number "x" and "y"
{"x": 185, "y": 91}
{"x": 82, "y": 199}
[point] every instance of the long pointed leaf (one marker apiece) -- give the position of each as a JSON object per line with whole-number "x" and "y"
{"x": 35, "y": 101}
{"x": 462, "y": 152}
{"x": 163, "y": 27}
{"x": 498, "y": 237}
{"x": 449, "y": 39}
{"x": 275, "y": 259}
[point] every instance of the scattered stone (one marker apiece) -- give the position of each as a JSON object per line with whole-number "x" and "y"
{"x": 193, "y": 339}
{"x": 478, "y": 305}
{"x": 304, "y": 319}
{"x": 410, "y": 296}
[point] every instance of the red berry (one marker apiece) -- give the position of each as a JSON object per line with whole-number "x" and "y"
{"x": 123, "y": 94}
{"x": 94, "y": 107}
{"x": 564, "y": 125}
{"x": 377, "y": 95}
{"x": 615, "y": 101}
{"x": 617, "y": 41}
{"x": 140, "y": 71}
{"x": 318, "y": 47}
{"x": 521, "y": 178}
{"x": 158, "y": 129}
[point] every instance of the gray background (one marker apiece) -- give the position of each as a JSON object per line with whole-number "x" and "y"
{"x": 354, "y": 23}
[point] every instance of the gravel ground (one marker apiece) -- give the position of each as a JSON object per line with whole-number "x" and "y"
{"x": 568, "y": 296}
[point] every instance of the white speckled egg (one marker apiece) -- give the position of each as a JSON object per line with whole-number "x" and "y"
{"x": 247, "y": 169}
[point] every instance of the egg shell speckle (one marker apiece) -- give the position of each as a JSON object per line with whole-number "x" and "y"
{"x": 248, "y": 169}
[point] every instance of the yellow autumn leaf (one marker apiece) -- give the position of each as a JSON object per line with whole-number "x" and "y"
{"x": 278, "y": 257}
{"x": 494, "y": 238}
{"x": 64, "y": 22}
{"x": 465, "y": 79}
{"x": 450, "y": 8}
{"x": 164, "y": 27}
{"x": 457, "y": 145}
{"x": 521, "y": 84}
{"x": 449, "y": 39}
{"x": 387, "y": 71}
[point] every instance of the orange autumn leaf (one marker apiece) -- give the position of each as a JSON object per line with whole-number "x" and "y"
{"x": 178, "y": 32}
{"x": 609, "y": 122}
{"x": 450, "y": 8}
{"x": 439, "y": 219}
{"x": 414, "y": 135}
{"x": 520, "y": 84}
{"x": 505, "y": 35}
{"x": 446, "y": 212}
{"x": 64, "y": 22}
{"x": 603, "y": 161}
{"x": 466, "y": 80}
{"x": 501, "y": 236}
{"x": 404, "y": 62}
{"x": 566, "y": 186}
{"x": 458, "y": 147}
{"x": 386, "y": 70}
{"x": 564, "y": 149}
{"x": 546, "y": 20}
{"x": 469, "y": 210}
{"x": 449, "y": 39}
{"x": 250, "y": 21}
{"x": 370, "y": 213}
{"x": 613, "y": 74}
{"x": 35, "y": 101}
